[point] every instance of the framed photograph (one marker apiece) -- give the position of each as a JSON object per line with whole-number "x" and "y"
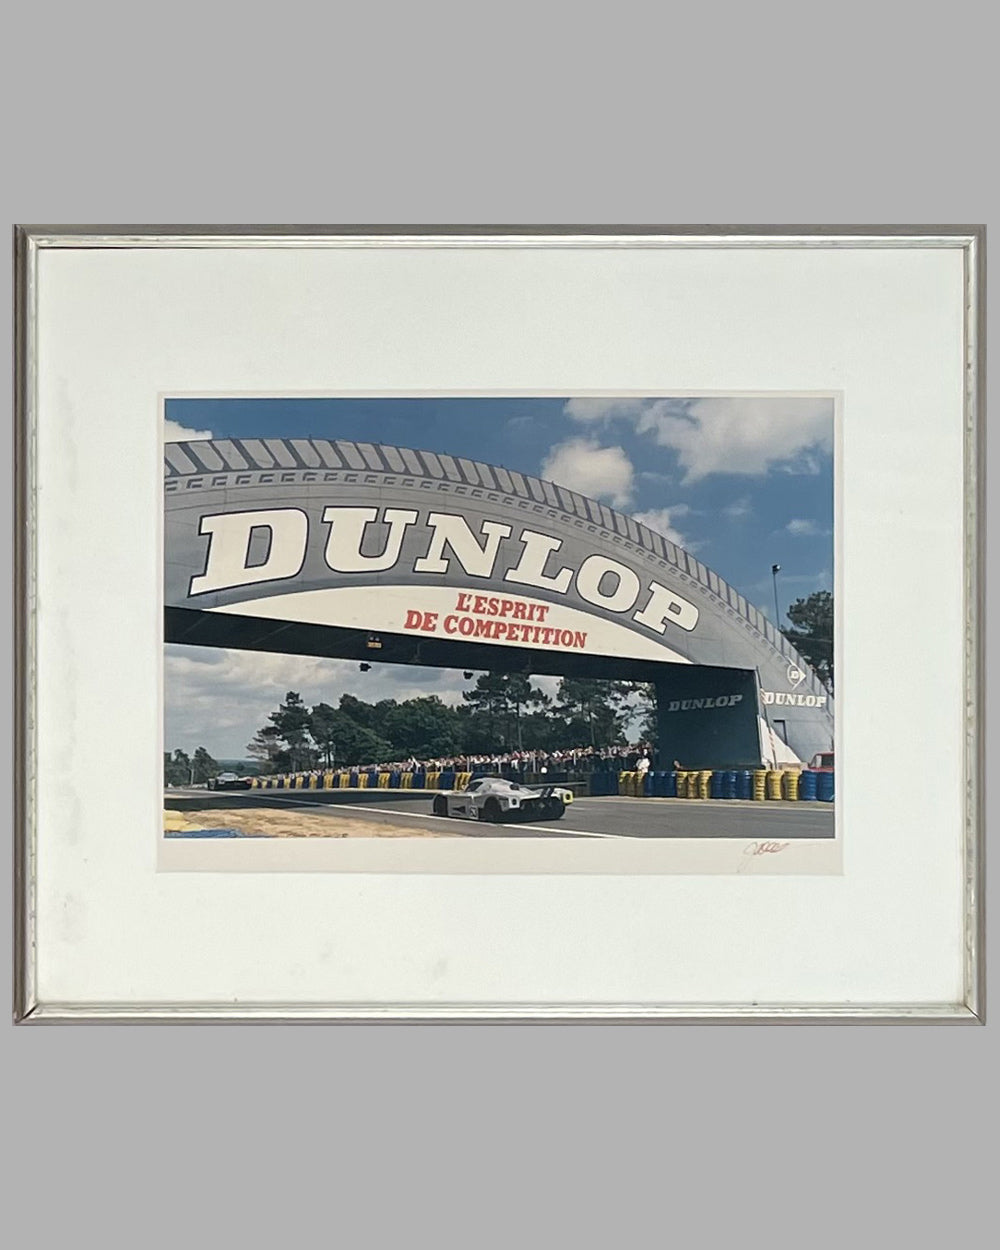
{"x": 499, "y": 624}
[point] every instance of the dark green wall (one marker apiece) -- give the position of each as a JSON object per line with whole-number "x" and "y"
{"x": 723, "y": 735}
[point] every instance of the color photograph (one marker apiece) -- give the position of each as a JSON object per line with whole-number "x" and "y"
{"x": 499, "y": 617}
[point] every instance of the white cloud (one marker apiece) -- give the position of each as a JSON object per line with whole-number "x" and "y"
{"x": 219, "y": 698}
{"x": 738, "y": 509}
{"x": 584, "y": 465}
{"x": 661, "y": 520}
{"x": 750, "y": 435}
{"x": 595, "y": 410}
{"x": 799, "y": 528}
{"x": 174, "y": 432}
{"x": 547, "y": 685}
{"x": 803, "y": 464}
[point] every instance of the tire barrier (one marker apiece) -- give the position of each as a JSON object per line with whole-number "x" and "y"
{"x": 603, "y": 784}
{"x": 759, "y": 784}
{"x": 664, "y": 785}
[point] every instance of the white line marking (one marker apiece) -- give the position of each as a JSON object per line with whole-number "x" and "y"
{"x": 458, "y": 820}
{"x": 580, "y": 833}
{"x": 455, "y": 820}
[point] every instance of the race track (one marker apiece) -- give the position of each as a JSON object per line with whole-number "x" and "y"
{"x": 613, "y": 817}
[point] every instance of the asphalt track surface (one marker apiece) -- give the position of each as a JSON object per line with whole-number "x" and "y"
{"x": 610, "y": 817}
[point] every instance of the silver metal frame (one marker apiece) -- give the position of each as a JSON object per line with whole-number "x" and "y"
{"x": 28, "y": 240}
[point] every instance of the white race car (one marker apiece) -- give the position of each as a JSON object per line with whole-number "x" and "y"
{"x": 495, "y": 799}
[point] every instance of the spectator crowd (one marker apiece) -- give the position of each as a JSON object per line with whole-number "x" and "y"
{"x": 519, "y": 764}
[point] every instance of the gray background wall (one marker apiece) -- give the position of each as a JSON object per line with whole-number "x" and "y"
{"x": 495, "y": 1135}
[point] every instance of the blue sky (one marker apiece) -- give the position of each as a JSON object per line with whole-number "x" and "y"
{"x": 745, "y": 482}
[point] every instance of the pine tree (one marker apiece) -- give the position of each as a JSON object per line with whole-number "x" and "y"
{"x": 501, "y": 699}
{"x": 266, "y": 748}
{"x": 600, "y": 707}
{"x": 291, "y": 720}
{"x": 203, "y": 766}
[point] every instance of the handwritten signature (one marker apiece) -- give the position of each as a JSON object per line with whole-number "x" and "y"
{"x": 764, "y": 848}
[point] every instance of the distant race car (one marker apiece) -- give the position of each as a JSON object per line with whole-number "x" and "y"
{"x": 495, "y": 799}
{"x": 228, "y": 781}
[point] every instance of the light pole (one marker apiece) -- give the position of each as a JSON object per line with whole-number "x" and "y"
{"x": 775, "y": 570}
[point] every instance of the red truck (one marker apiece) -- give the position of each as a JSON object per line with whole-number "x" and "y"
{"x": 822, "y": 762}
